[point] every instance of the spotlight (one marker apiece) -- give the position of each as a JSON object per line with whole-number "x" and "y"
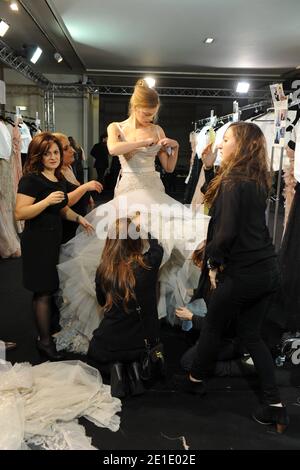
{"x": 36, "y": 55}
{"x": 14, "y": 6}
{"x": 209, "y": 40}
{"x": 150, "y": 81}
{"x": 58, "y": 57}
{"x": 242, "y": 87}
{"x": 4, "y": 27}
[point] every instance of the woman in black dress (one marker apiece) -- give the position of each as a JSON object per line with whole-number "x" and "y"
{"x": 240, "y": 264}
{"x": 42, "y": 201}
{"x": 78, "y": 194}
{"x": 125, "y": 280}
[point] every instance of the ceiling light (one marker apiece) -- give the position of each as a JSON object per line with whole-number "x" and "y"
{"x": 150, "y": 82}
{"x": 58, "y": 57}
{"x": 14, "y": 6}
{"x": 209, "y": 40}
{"x": 3, "y": 28}
{"x": 36, "y": 55}
{"x": 242, "y": 87}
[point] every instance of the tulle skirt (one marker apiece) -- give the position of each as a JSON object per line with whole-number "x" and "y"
{"x": 179, "y": 230}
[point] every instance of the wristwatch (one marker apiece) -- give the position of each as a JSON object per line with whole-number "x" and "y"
{"x": 211, "y": 265}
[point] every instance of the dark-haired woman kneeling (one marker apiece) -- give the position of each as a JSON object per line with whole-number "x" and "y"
{"x": 125, "y": 280}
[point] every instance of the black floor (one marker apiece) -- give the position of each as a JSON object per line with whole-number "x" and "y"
{"x": 157, "y": 419}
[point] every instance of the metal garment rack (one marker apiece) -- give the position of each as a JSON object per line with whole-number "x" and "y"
{"x": 227, "y": 117}
{"x": 277, "y": 197}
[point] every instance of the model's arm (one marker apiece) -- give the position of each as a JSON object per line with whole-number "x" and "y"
{"x": 168, "y": 160}
{"x": 116, "y": 147}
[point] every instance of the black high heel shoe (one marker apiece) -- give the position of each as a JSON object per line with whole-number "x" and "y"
{"x": 118, "y": 380}
{"x": 136, "y": 386}
{"x": 276, "y": 415}
{"x": 49, "y": 351}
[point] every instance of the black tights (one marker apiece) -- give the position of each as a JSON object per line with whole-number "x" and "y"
{"x": 42, "y": 303}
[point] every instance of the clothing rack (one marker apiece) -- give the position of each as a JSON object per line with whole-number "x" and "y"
{"x": 15, "y": 114}
{"x": 228, "y": 117}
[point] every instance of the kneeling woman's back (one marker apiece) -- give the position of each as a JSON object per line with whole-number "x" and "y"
{"x": 126, "y": 279}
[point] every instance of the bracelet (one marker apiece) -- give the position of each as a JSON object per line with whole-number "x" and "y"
{"x": 77, "y": 219}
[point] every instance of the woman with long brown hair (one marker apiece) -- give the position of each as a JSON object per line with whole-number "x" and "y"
{"x": 240, "y": 263}
{"x": 42, "y": 201}
{"x": 126, "y": 281}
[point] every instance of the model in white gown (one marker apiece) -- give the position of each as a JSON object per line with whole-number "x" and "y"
{"x": 177, "y": 227}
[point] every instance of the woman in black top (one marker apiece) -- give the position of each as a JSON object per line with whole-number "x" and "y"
{"x": 126, "y": 279}
{"x": 42, "y": 201}
{"x": 240, "y": 263}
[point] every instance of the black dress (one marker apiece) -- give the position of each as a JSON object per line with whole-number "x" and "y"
{"x": 41, "y": 238}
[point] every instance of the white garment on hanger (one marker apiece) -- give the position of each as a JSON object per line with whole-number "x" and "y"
{"x": 201, "y": 141}
{"x": 25, "y": 136}
{"x": 266, "y": 124}
{"x": 219, "y": 138}
{"x": 5, "y": 142}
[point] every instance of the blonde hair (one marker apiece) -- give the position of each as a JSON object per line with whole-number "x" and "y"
{"x": 60, "y": 136}
{"x": 143, "y": 97}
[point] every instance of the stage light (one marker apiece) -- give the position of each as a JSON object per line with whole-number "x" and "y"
{"x": 4, "y": 27}
{"x": 209, "y": 40}
{"x": 36, "y": 55}
{"x": 150, "y": 81}
{"x": 58, "y": 57}
{"x": 242, "y": 87}
{"x": 14, "y": 6}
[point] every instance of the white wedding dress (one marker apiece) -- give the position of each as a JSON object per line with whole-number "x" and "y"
{"x": 40, "y": 405}
{"x": 179, "y": 230}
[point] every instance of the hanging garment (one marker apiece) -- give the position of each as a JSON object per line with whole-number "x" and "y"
{"x": 5, "y": 142}
{"x": 266, "y": 124}
{"x": 25, "y": 136}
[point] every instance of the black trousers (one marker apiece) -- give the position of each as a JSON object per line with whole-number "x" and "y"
{"x": 244, "y": 295}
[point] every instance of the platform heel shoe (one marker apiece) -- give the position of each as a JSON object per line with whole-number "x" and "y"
{"x": 136, "y": 386}
{"x": 276, "y": 415}
{"x": 118, "y": 380}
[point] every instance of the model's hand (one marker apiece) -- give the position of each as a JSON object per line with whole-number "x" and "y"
{"x": 94, "y": 186}
{"x": 213, "y": 278}
{"x": 86, "y": 225}
{"x": 183, "y": 313}
{"x": 166, "y": 142}
{"x": 208, "y": 156}
{"x": 148, "y": 142}
{"x": 55, "y": 198}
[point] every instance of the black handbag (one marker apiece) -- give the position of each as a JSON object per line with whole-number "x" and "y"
{"x": 152, "y": 363}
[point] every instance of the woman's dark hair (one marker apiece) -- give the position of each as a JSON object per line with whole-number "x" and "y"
{"x": 249, "y": 161}
{"x": 73, "y": 142}
{"x": 115, "y": 272}
{"x": 38, "y": 147}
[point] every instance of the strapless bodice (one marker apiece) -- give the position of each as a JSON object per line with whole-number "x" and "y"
{"x": 142, "y": 161}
